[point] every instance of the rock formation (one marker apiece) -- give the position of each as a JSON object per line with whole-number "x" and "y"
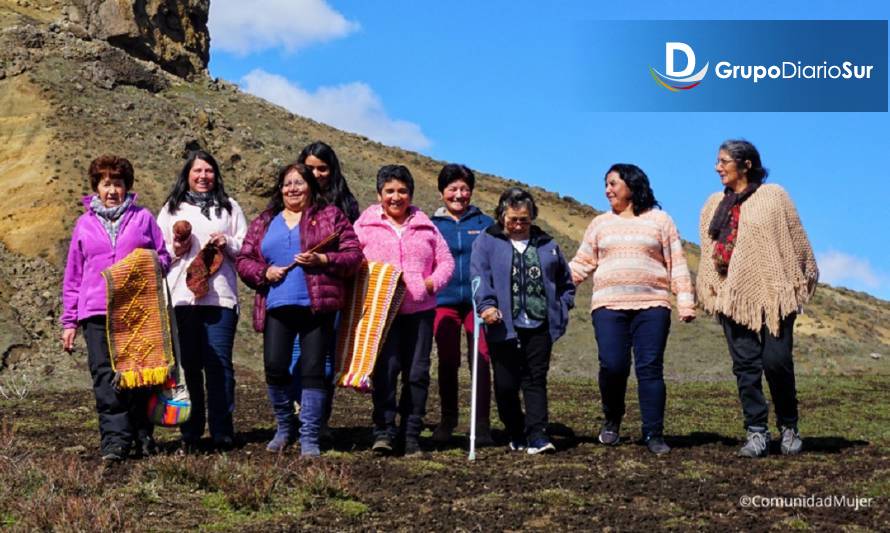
{"x": 171, "y": 33}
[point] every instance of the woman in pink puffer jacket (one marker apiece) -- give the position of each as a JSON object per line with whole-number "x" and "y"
{"x": 396, "y": 232}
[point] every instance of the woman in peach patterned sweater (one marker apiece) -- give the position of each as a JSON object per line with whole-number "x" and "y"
{"x": 636, "y": 258}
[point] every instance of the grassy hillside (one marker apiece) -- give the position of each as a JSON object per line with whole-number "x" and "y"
{"x": 65, "y": 100}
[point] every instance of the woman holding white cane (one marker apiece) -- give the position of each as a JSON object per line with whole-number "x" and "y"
{"x": 524, "y": 298}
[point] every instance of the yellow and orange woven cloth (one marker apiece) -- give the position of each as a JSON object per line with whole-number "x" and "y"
{"x": 138, "y": 327}
{"x": 372, "y": 302}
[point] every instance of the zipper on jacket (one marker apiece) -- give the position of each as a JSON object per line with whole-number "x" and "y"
{"x": 460, "y": 267}
{"x": 522, "y": 279}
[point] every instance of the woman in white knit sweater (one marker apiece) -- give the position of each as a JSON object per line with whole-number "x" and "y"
{"x": 205, "y": 298}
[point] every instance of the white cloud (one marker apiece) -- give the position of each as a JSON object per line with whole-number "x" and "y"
{"x": 838, "y": 268}
{"x": 243, "y": 27}
{"x": 351, "y": 107}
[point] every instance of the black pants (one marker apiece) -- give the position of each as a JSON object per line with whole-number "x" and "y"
{"x": 757, "y": 353}
{"x": 316, "y": 332}
{"x": 405, "y": 352}
{"x": 123, "y": 415}
{"x": 522, "y": 365}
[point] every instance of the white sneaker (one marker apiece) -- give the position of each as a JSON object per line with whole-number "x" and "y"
{"x": 757, "y": 444}
{"x": 791, "y": 442}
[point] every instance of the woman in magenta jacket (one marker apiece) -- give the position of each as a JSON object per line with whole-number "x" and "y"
{"x": 296, "y": 255}
{"x": 112, "y": 227}
{"x": 395, "y": 232}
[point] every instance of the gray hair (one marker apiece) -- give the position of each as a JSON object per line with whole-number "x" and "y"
{"x": 516, "y": 198}
{"x": 741, "y": 150}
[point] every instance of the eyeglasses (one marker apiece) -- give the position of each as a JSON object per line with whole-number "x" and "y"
{"x": 518, "y": 221}
{"x": 724, "y": 162}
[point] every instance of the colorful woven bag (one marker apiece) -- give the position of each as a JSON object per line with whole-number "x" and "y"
{"x": 169, "y": 404}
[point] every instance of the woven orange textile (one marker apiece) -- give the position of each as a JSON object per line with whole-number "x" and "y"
{"x": 138, "y": 325}
{"x": 372, "y": 302}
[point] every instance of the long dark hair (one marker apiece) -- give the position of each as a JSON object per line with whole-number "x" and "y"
{"x": 337, "y": 192}
{"x": 177, "y": 193}
{"x": 316, "y": 197}
{"x": 637, "y": 181}
{"x": 741, "y": 150}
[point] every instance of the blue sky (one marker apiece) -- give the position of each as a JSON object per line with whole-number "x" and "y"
{"x": 495, "y": 85}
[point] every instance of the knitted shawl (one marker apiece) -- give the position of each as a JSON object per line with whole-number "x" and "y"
{"x": 772, "y": 272}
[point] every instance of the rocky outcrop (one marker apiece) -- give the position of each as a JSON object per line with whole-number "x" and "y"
{"x": 171, "y": 33}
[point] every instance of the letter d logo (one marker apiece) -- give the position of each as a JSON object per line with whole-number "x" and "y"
{"x": 675, "y": 80}
{"x": 669, "y": 52}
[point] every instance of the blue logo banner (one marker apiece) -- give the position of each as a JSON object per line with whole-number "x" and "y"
{"x": 754, "y": 65}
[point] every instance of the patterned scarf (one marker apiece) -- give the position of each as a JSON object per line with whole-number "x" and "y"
{"x": 110, "y": 217}
{"x": 203, "y": 200}
{"x": 724, "y": 226}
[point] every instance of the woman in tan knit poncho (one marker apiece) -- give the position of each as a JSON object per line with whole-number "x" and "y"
{"x": 756, "y": 272}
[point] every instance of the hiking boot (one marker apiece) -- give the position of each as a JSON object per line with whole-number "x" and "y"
{"x": 518, "y": 445}
{"x": 224, "y": 444}
{"x": 144, "y": 447}
{"x": 412, "y": 447}
{"x": 382, "y": 445}
{"x": 656, "y": 445}
{"x": 114, "y": 454}
{"x": 609, "y": 433}
{"x": 540, "y": 445}
{"x": 483, "y": 434}
{"x": 791, "y": 442}
{"x": 757, "y": 444}
{"x": 187, "y": 447}
{"x": 444, "y": 431}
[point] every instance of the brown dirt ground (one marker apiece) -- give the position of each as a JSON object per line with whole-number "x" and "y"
{"x": 585, "y": 486}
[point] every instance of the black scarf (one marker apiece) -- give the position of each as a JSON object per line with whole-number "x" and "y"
{"x": 203, "y": 200}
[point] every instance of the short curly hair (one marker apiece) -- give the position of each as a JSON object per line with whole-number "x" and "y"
{"x": 111, "y": 166}
{"x": 515, "y": 198}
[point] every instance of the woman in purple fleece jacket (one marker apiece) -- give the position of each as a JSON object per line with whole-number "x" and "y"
{"x": 395, "y": 232}
{"x": 112, "y": 227}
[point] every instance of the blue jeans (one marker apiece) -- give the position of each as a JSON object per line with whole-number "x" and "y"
{"x": 646, "y": 331}
{"x": 206, "y": 335}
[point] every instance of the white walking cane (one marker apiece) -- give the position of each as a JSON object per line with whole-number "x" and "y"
{"x": 477, "y": 330}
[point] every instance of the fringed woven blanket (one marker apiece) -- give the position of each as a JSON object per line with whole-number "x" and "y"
{"x": 372, "y": 303}
{"x": 138, "y": 326}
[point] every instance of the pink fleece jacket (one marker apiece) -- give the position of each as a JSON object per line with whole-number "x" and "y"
{"x": 420, "y": 253}
{"x": 91, "y": 252}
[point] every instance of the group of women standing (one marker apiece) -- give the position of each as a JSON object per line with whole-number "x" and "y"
{"x": 757, "y": 269}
